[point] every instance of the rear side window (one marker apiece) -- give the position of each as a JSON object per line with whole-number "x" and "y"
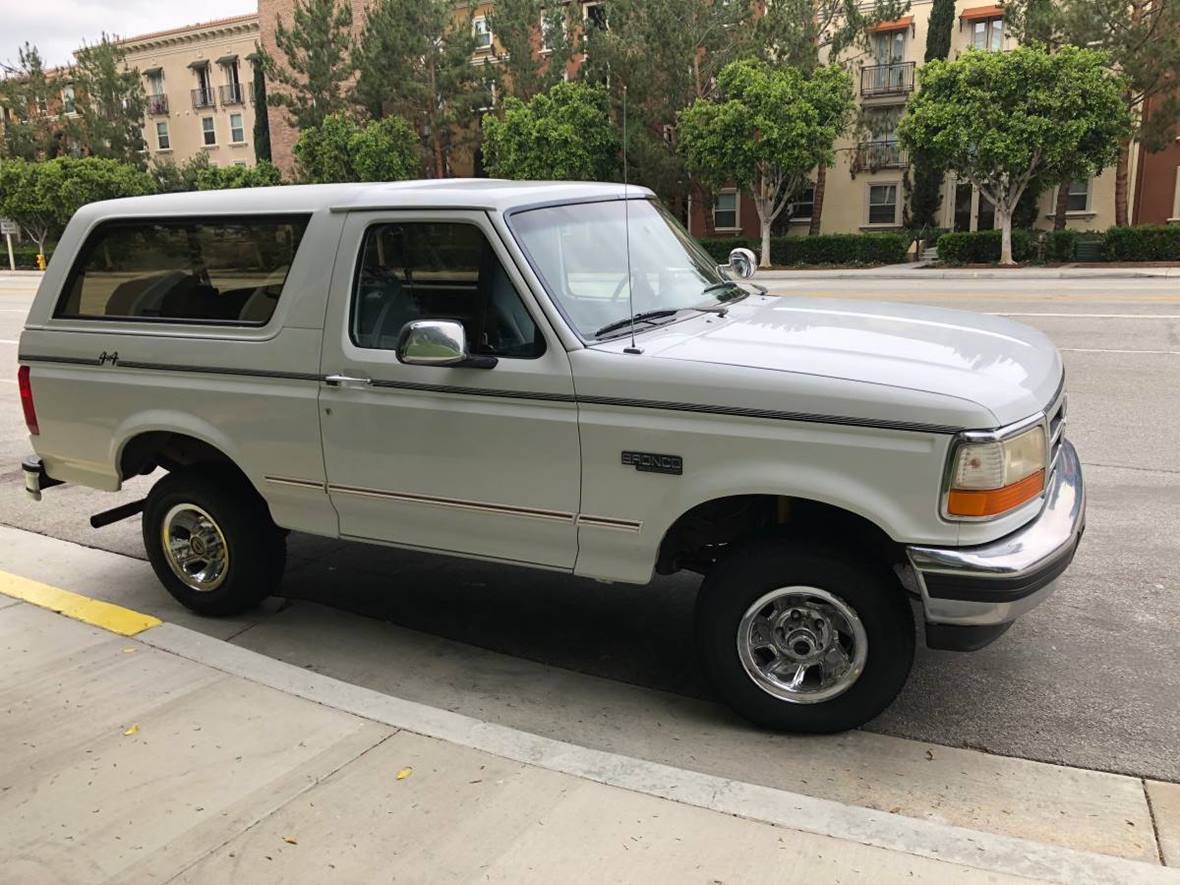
{"x": 183, "y": 270}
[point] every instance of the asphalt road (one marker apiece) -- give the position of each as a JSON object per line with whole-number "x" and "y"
{"x": 1091, "y": 678}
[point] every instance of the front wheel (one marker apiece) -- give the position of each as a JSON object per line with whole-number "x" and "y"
{"x": 800, "y": 637}
{"x": 211, "y": 541}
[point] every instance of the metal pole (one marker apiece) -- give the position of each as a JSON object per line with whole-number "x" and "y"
{"x": 11, "y": 258}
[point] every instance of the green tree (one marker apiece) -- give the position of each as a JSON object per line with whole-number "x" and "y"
{"x": 414, "y": 61}
{"x": 562, "y": 134}
{"x": 767, "y": 130}
{"x": 110, "y": 103}
{"x": 927, "y": 180}
{"x": 667, "y": 54}
{"x": 315, "y": 65}
{"x": 262, "y": 174}
{"x": 41, "y": 197}
{"x": 261, "y": 119}
{"x": 28, "y": 92}
{"x": 1000, "y": 119}
{"x": 535, "y": 44}
{"x": 808, "y": 33}
{"x": 341, "y": 149}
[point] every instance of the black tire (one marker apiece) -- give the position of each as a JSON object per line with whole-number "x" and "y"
{"x": 257, "y": 549}
{"x": 875, "y": 596}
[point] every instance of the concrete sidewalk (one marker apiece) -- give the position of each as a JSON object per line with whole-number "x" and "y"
{"x": 922, "y": 271}
{"x": 175, "y": 756}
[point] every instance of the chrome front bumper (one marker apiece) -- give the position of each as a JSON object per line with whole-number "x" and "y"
{"x": 973, "y": 594}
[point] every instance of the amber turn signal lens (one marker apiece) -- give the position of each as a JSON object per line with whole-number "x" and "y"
{"x": 992, "y": 502}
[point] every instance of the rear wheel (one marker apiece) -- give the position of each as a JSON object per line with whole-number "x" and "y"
{"x": 797, "y": 636}
{"x": 211, "y": 541}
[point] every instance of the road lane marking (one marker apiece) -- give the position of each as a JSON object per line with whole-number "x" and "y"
{"x": 8, "y": 341}
{"x": 1112, "y": 350}
{"x": 95, "y": 612}
{"x": 1093, "y": 316}
{"x": 7, "y": 381}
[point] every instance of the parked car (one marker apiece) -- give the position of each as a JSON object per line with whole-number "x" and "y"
{"x": 554, "y": 375}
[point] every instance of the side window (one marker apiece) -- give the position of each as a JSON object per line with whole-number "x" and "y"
{"x": 438, "y": 270}
{"x": 183, "y": 270}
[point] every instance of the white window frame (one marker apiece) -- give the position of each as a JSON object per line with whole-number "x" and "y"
{"x": 212, "y": 130}
{"x": 156, "y": 83}
{"x": 69, "y": 100}
{"x": 1089, "y": 197}
{"x": 166, "y": 136}
{"x": 896, "y": 185}
{"x": 586, "y": 7}
{"x": 800, "y": 219}
{"x": 482, "y": 29}
{"x": 242, "y": 118}
{"x": 546, "y": 47}
{"x": 737, "y": 209}
{"x": 1176, "y": 199}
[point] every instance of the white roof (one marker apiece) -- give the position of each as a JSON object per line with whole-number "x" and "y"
{"x": 453, "y": 193}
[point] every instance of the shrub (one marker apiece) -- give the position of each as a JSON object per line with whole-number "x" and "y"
{"x": 983, "y": 247}
{"x": 719, "y": 249}
{"x": 25, "y": 255}
{"x": 1060, "y": 245}
{"x": 1145, "y": 243}
{"x": 876, "y": 248}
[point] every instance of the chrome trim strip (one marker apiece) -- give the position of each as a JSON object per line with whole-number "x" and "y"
{"x": 605, "y": 522}
{"x": 455, "y": 503}
{"x": 296, "y": 483}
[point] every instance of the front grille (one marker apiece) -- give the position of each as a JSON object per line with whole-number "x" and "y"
{"x": 1056, "y": 420}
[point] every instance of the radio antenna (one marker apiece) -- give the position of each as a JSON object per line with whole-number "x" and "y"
{"x": 627, "y": 231}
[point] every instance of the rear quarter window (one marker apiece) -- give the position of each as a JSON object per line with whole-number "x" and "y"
{"x": 184, "y": 270}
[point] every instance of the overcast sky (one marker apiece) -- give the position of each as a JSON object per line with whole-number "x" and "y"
{"x": 58, "y": 27}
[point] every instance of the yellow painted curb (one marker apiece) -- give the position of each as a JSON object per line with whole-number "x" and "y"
{"x": 111, "y": 617}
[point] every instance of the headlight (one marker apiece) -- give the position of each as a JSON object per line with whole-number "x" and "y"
{"x": 993, "y": 477}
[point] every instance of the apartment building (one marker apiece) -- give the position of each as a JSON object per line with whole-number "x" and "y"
{"x": 198, "y": 80}
{"x": 1157, "y": 192}
{"x": 866, "y": 188}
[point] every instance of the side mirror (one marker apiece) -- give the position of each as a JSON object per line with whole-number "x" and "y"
{"x": 438, "y": 343}
{"x": 743, "y": 263}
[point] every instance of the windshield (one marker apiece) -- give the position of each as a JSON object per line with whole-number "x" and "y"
{"x": 580, "y": 252}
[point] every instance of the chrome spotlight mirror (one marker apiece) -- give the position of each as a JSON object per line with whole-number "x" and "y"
{"x": 432, "y": 343}
{"x": 742, "y": 263}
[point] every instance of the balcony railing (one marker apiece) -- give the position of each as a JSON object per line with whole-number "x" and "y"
{"x": 874, "y": 155}
{"x": 231, "y": 93}
{"x": 203, "y": 98}
{"x": 878, "y": 81}
{"x": 157, "y": 104}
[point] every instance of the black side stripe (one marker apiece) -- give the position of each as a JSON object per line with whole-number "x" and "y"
{"x": 661, "y": 405}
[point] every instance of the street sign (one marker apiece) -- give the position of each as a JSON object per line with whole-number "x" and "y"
{"x": 8, "y": 227}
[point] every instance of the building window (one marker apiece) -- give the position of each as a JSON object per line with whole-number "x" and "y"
{"x": 550, "y": 29}
{"x": 725, "y": 210}
{"x": 1176, "y": 198}
{"x": 237, "y": 131}
{"x": 595, "y": 15}
{"x": 803, "y": 204}
{"x": 208, "y": 132}
{"x": 889, "y": 47}
{"x": 882, "y": 204}
{"x": 988, "y": 34}
{"x": 68, "y": 104}
{"x": 155, "y": 83}
{"x": 1078, "y": 199}
{"x": 483, "y": 33}
{"x": 162, "y": 139}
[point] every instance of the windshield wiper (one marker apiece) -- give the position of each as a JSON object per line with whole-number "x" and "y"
{"x": 642, "y": 316}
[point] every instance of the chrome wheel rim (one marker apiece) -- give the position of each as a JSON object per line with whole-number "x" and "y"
{"x": 803, "y": 645}
{"x": 195, "y": 547}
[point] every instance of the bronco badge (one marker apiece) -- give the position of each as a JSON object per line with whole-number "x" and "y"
{"x": 648, "y": 462}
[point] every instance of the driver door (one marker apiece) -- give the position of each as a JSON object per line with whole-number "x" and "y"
{"x": 475, "y": 461}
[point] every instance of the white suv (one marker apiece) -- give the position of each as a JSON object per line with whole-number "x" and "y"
{"x": 555, "y": 375}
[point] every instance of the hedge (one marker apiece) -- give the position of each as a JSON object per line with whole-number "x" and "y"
{"x": 874, "y": 248}
{"x": 1159, "y": 242}
{"x": 982, "y": 247}
{"x": 24, "y": 253}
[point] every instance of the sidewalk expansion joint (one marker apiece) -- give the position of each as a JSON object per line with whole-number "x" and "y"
{"x": 1155, "y": 824}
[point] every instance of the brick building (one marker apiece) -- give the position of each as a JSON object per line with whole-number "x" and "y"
{"x": 1157, "y": 187}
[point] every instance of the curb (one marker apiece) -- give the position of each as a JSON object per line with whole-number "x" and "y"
{"x": 824, "y": 817}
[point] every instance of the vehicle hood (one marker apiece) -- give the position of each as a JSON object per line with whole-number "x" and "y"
{"x": 1009, "y": 369}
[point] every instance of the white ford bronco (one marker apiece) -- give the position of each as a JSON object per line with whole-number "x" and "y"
{"x": 555, "y": 375}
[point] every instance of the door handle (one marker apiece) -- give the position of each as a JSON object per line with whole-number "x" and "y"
{"x": 347, "y": 381}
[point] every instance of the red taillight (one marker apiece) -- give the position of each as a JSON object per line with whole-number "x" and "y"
{"x": 26, "y": 400}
